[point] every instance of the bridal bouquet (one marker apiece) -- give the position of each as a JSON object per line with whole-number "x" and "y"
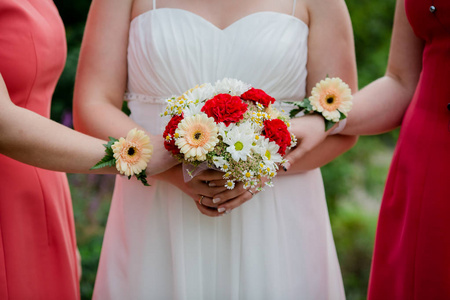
{"x": 228, "y": 126}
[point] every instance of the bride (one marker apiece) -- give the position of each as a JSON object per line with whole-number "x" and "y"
{"x": 160, "y": 242}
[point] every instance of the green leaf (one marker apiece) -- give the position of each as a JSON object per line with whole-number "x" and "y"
{"x": 108, "y": 160}
{"x": 142, "y": 177}
{"x": 105, "y": 162}
{"x": 342, "y": 117}
{"x": 108, "y": 147}
{"x": 307, "y": 105}
{"x": 304, "y": 105}
{"x": 328, "y": 124}
{"x": 294, "y": 112}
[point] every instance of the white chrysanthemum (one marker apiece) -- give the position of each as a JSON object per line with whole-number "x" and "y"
{"x": 219, "y": 161}
{"x": 269, "y": 153}
{"x": 224, "y": 129}
{"x": 231, "y": 86}
{"x": 293, "y": 141}
{"x": 230, "y": 184}
{"x": 192, "y": 110}
{"x": 331, "y": 97}
{"x": 239, "y": 142}
{"x": 197, "y": 136}
{"x": 199, "y": 93}
{"x": 269, "y": 183}
{"x": 248, "y": 175}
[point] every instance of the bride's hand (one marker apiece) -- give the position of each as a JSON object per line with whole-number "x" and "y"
{"x": 228, "y": 200}
{"x": 310, "y": 132}
{"x": 202, "y": 188}
{"x": 161, "y": 159}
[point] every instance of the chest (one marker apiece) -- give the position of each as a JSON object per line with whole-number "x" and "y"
{"x": 429, "y": 18}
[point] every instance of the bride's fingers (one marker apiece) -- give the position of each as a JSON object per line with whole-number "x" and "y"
{"x": 236, "y": 202}
{"x": 227, "y": 195}
{"x": 202, "y": 188}
{"x": 209, "y": 175}
{"x": 207, "y": 211}
{"x": 207, "y": 201}
{"x": 217, "y": 183}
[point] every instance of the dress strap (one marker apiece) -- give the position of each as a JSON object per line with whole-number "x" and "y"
{"x": 293, "y": 8}
{"x": 154, "y": 4}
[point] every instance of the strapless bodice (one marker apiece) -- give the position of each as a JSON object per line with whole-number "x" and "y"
{"x": 172, "y": 50}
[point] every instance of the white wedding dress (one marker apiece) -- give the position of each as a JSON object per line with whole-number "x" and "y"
{"x": 157, "y": 244}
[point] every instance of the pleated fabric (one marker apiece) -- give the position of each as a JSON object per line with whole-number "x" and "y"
{"x": 157, "y": 244}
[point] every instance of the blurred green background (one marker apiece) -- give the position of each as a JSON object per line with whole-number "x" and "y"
{"x": 354, "y": 182}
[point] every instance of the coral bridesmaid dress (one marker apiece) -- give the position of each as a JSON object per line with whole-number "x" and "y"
{"x": 37, "y": 237}
{"x": 412, "y": 248}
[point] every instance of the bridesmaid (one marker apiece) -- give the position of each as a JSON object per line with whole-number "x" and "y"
{"x": 37, "y": 238}
{"x": 412, "y": 247}
{"x": 37, "y": 246}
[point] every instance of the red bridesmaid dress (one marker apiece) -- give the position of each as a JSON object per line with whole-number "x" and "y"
{"x": 412, "y": 247}
{"x": 37, "y": 236}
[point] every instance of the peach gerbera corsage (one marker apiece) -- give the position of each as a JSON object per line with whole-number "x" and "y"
{"x": 130, "y": 155}
{"x": 196, "y": 136}
{"x": 331, "y": 97}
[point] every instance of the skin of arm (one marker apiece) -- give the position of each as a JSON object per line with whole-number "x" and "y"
{"x": 331, "y": 53}
{"x": 380, "y": 106}
{"x": 32, "y": 139}
{"x": 101, "y": 79}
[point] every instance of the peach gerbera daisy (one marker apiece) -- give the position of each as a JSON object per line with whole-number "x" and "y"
{"x": 132, "y": 153}
{"x": 331, "y": 97}
{"x": 197, "y": 136}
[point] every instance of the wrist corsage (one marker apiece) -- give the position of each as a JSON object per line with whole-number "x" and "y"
{"x": 331, "y": 97}
{"x": 130, "y": 155}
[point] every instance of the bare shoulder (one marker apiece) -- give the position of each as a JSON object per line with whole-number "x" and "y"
{"x": 319, "y": 9}
{"x": 140, "y": 6}
{"x": 302, "y": 10}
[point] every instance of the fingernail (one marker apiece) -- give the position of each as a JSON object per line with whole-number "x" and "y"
{"x": 221, "y": 209}
{"x": 286, "y": 166}
{"x": 216, "y": 200}
{"x": 212, "y": 184}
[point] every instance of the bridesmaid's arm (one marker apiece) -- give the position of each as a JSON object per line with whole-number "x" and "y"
{"x": 32, "y": 139}
{"x": 380, "y": 106}
{"x": 330, "y": 53}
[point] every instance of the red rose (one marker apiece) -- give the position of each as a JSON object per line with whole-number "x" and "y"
{"x": 276, "y": 131}
{"x": 225, "y": 108}
{"x": 258, "y": 96}
{"x": 170, "y": 129}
